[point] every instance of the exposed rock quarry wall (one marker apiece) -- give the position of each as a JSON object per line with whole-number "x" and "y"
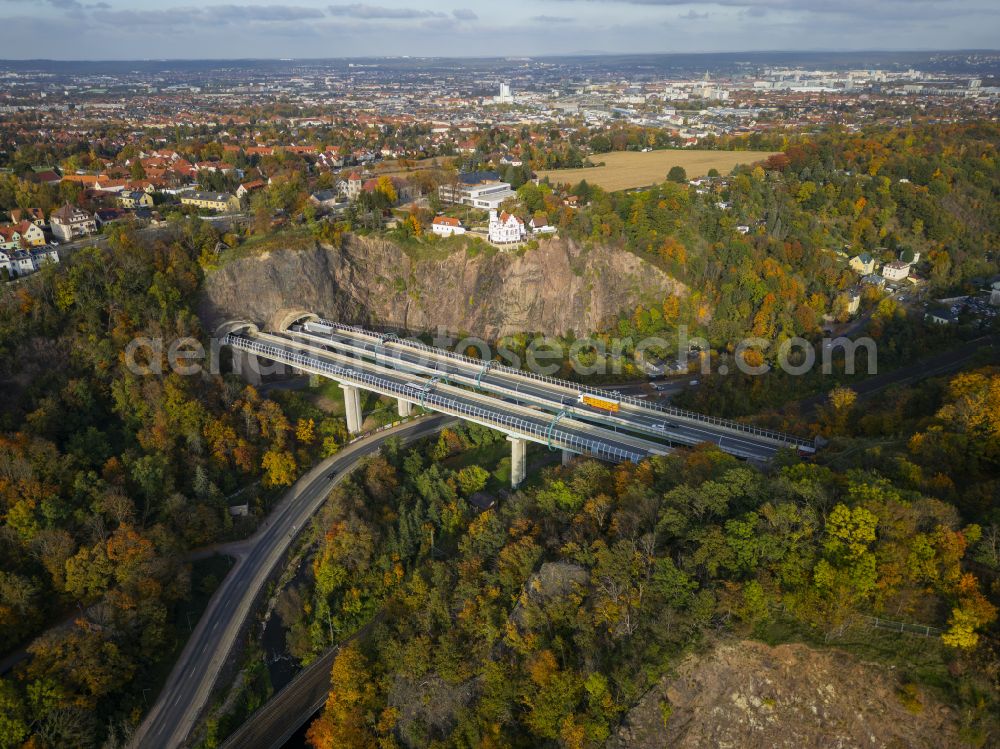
{"x": 556, "y": 288}
{"x": 749, "y": 695}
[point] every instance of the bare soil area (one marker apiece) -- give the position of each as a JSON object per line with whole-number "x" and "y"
{"x": 745, "y": 694}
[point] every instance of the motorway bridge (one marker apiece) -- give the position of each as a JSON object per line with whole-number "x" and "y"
{"x": 527, "y": 407}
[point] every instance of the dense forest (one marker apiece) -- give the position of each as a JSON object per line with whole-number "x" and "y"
{"x": 541, "y": 622}
{"x": 108, "y": 477}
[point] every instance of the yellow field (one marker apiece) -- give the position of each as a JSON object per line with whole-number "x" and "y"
{"x": 624, "y": 170}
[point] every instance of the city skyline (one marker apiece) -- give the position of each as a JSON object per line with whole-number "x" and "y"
{"x": 142, "y": 29}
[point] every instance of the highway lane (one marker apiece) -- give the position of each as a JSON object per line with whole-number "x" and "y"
{"x": 516, "y": 419}
{"x": 190, "y": 684}
{"x": 552, "y": 397}
{"x": 390, "y": 343}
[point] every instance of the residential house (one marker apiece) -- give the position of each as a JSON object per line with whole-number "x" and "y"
{"x": 895, "y": 271}
{"x": 34, "y": 215}
{"x": 329, "y": 159}
{"x": 105, "y": 216}
{"x": 326, "y": 199}
{"x": 85, "y": 180}
{"x": 212, "y": 201}
{"x": 506, "y": 228}
{"x": 873, "y": 279}
{"x": 42, "y": 255}
{"x": 539, "y": 224}
{"x": 10, "y": 238}
{"x": 135, "y": 199}
{"x": 31, "y": 234}
{"x": 47, "y": 177}
{"x": 353, "y": 186}
{"x": 853, "y": 301}
{"x": 110, "y": 185}
{"x": 248, "y": 187}
{"x": 446, "y": 226}
{"x": 214, "y": 166}
{"x": 863, "y": 264}
{"x": 23, "y": 262}
{"x": 70, "y": 222}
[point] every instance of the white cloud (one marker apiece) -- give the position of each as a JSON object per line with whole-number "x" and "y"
{"x": 363, "y": 11}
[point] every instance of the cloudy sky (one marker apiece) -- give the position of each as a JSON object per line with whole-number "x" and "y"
{"x": 141, "y": 29}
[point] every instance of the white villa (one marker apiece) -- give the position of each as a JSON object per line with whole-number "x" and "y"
{"x": 506, "y": 228}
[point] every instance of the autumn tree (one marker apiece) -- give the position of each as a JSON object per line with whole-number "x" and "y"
{"x": 348, "y": 715}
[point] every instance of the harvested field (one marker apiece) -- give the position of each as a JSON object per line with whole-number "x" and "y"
{"x": 624, "y": 170}
{"x": 403, "y": 167}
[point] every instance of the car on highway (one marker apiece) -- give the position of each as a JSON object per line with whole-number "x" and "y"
{"x": 663, "y": 426}
{"x": 331, "y": 475}
{"x": 693, "y": 383}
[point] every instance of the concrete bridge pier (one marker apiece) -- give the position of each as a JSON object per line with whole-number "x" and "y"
{"x": 246, "y": 366}
{"x": 567, "y": 457}
{"x": 352, "y": 408}
{"x": 404, "y": 407}
{"x": 518, "y": 461}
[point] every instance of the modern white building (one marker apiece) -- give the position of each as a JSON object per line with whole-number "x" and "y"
{"x": 506, "y": 228}
{"x": 505, "y": 97}
{"x": 486, "y": 194}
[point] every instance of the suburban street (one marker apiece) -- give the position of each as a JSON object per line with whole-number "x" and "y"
{"x": 190, "y": 684}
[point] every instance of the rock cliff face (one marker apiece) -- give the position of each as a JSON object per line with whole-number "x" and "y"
{"x": 556, "y": 288}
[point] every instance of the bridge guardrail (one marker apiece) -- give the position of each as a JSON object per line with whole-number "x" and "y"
{"x": 631, "y": 400}
{"x": 560, "y": 438}
{"x": 401, "y": 366}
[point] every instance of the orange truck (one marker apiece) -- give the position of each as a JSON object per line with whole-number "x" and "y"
{"x": 597, "y": 402}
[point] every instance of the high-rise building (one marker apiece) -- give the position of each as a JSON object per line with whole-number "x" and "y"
{"x": 505, "y": 97}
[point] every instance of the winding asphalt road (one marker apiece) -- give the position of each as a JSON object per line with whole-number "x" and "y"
{"x": 189, "y": 686}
